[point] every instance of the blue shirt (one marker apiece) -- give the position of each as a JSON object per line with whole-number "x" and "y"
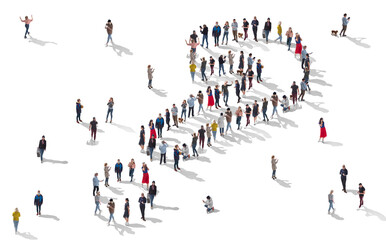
{"x": 191, "y": 101}
{"x": 250, "y": 61}
{"x": 344, "y": 21}
{"x": 163, "y": 147}
{"x": 303, "y": 86}
{"x": 95, "y": 181}
{"x": 304, "y": 53}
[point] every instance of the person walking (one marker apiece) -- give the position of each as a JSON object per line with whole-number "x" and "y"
{"x": 78, "y": 111}
{"x": 255, "y": 24}
{"x": 208, "y": 204}
{"x": 259, "y": 69}
{"x": 220, "y": 122}
{"x": 142, "y": 138}
{"x": 274, "y": 161}
{"x": 194, "y": 144}
{"x": 214, "y": 127}
{"x": 175, "y": 115}
{"x": 208, "y": 134}
{"x": 110, "y": 105}
{"x": 150, "y": 72}
{"x": 201, "y": 134}
{"x": 93, "y": 128}
{"x": 285, "y": 104}
{"x": 255, "y": 112}
{"x": 217, "y": 97}
{"x": 167, "y": 117}
{"x": 304, "y": 55}
{"x": 345, "y": 22}
{"x": 159, "y": 124}
{"x": 216, "y": 32}
{"x": 183, "y": 109}
{"x": 131, "y": 169}
{"x": 107, "y": 174}
{"x": 27, "y": 22}
{"x": 225, "y": 92}
{"x": 279, "y": 31}
{"x": 250, "y": 75}
{"x": 228, "y": 118}
{"x": 211, "y": 64}
{"x": 295, "y": 92}
{"x": 142, "y": 204}
{"x": 118, "y": 169}
{"x": 203, "y": 69}
{"x": 267, "y": 29}
{"x": 264, "y": 109}
{"x": 16, "y": 216}
{"x": 298, "y": 41}
{"x": 248, "y": 112}
{"x": 237, "y": 87}
{"x": 151, "y": 145}
{"x": 192, "y": 68}
{"x": 275, "y": 101}
{"x": 109, "y": 29}
{"x": 204, "y": 32}
{"x": 303, "y": 89}
{"x": 126, "y": 213}
{"x": 200, "y": 98}
{"x": 210, "y": 98}
{"x": 145, "y": 176}
{"x": 42, "y": 147}
{"x": 241, "y": 62}
{"x": 111, "y": 207}
{"x": 177, "y": 153}
{"x": 231, "y": 56}
{"x": 163, "y": 146}
{"x": 234, "y": 30}
{"x": 289, "y": 35}
{"x": 331, "y": 201}
{"x": 191, "y": 101}
{"x": 97, "y": 203}
{"x": 152, "y": 193}
{"x": 95, "y": 182}
{"x": 243, "y": 84}
{"x": 226, "y": 33}
{"x": 343, "y": 177}
{"x": 245, "y": 27}
{"x": 239, "y": 115}
{"x": 38, "y": 202}
{"x": 221, "y": 61}
{"x": 361, "y": 193}
{"x": 323, "y": 132}
{"x": 307, "y": 76}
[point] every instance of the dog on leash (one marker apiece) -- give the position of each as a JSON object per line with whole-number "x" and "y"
{"x": 334, "y": 33}
{"x": 240, "y": 35}
{"x": 180, "y": 120}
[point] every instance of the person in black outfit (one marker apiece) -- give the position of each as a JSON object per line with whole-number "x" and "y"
{"x": 152, "y": 193}
{"x": 245, "y": 27}
{"x": 267, "y": 29}
{"x": 93, "y": 128}
{"x": 237, "y": 86}
{"x": 361, "y": 192}
{"x": 343, "y": 177}
{"x": 194, "y": 36}
{"x": 167, "y": 116}
{"x": 255, "y": 24}
{"x": 42, "y": 147}
{"x": 142, "y": 202}
{"x": 78, "y": 111}
{"x": 250, "y": 77}
{"x": 204, "y": 32}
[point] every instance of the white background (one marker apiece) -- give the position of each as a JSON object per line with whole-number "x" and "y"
{"x": 42, "y": 80}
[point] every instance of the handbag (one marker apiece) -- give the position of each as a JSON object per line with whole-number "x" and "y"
{"x": 38, "y": 152}
{"x": 147, "y": 198}
{"x": 147, "y": 151}
{"x": 263, "y": 34}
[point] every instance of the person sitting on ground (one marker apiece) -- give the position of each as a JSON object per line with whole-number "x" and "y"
{"x": 185, "y": 151}
{"x": 208, "y": 204}
{"x": 285, "y": 104}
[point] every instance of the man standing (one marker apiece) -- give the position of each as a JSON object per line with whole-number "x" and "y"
{"x": 42, "y": 147}
{"x": 194, "y": 36}
{"x": 111, "y": 207}
{"x": 228, "y": 118}
{"x": 361, "y": 192}
{"x": 295, "y": 92}
{"x": 250, "y": 77}
{"x": 95, "y": 182}
{"x": 216, "y": 32}
{"x": 204, "y": 32}
{"x": 118, "y": 169}
{"x": 274, "y": 100}
{"x": 38, "y": 202}
{"x": 225, "y": 92}
{"x": 27, "y": 21}
{"x": 174, "y": 115}
{"x": 93, "y": 128}
{"x": 190, "y": 101}
{"x": 267, "y": 29}
{"x": 109, "y": 28}
{"x": 159, "y": 124}
{"x": 201, "y": 135}
{"x": 234, "y": 30}
{"x": 142, "y": 202}
{"x": 245, "y": 27}
{"x": 162, "y": 149}
{"x": 152, "y": 193}
{"x": 345, "y": 21}
{"x": 343, "y": 177}
{"x": 250, "y": 61}
{"x": 78, "y": 111}
{"x": 304, "y": 55}
{"x": 200, "y": 98}
{"x": 303, "y": 89}
{"x": 203, "y": 69}
{"x": 255, "y": 24}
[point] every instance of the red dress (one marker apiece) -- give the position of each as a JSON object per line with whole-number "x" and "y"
{"x": 152, "y": 131}
{"x": 145, "y": 177}
{"x": 210, "y": 99}
{"x": 323, "y": 132}
{"x": 299, "y": 47}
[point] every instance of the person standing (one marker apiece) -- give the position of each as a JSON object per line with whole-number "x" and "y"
{"x": 220, "y": 122}
{"x": 97, "y": 203}
{"x": 345, "y": 22}
{"x": 192, "y": 56}
{"x": 167, "y": 117}
{"x": 191, "y": 101}
{"x": 243, "y": 84}
{"x": 175, "y": 115}
{"x": 231, "y": 56}
{"x": 107, "y": 174}
{"x": 177, "y": 153}
{"x": 234, "y": 30}
{"x": 38, "y": 202}
{"x": 275, "y": 101}
{"x": 201, "y": 134}
{"x": 303, "y": 89}
{"x": 228, "y": 117}
{"x": 193, "y": 45}
{"x": 42, "y": 147}
{"x": 217, "y": 97}
{"x": 110, "y": 109}
{"x": 255, "y": 112}
{"x": 239, "y": 115}
{"x": 208, "y": 134}
{"x": 208, "y": 204}
{"x": 93, "y": 128}
{"x": 248, "y": 111}
{"x": 163, "y": 146}
{"x": 192, "y": 68}
{"x": 27, "y": 21}
{"x": 78, "y": 111}
{"x": 111, "y": 207}
{"x": 225, "y": 92}
{"x": 194, "y": 144}
{"x": 331, "y": 201}
{"x": 255, "y": 24}
{"x": 126, "y": 213}
{"x": 200, "y": 98}
{"x": 95, "y": 182}
{"x": 132, "y": 168}
{"x": 279, "y": 31}
{"x": 264, "y": 109}
{"x": 274, "y": 161}
{"x": 259, "y": 69}
{"x": 210, "y": 98}
{"x": 250, "y": 77}
{"x": 183, "y": 109}
{"x": 145, "y": 176}
{"x": 241, "y": 62}
{"x": 151, "y": 145}
{"x": 109, "y": 29}
{"x": 323, "y": 132}
{"x": 237, "y": 87}
{"x": 361, "y": 193}
{"x": 118, "y": 170}
{"x": 16, "y": 216}
{"x": 203, "y": 69}
{"x": 159, "y": 124}
{"x": 150, "y": 72}
{"x": 204, "y": 32}
{"x": 343, "y": 177}
{"x": 216, "y": 32}
{"x": 289, "y": 35}
{"x": 295, "y": 92}
{"x": 307, "y": 76}
{"x": 250, "y": 61}
{"x": 214, "y": 127}
{"x": 226, "y": 33}
{"x": 307, "y": 64}
{"x": 221, "y": 61}
{"x": 298, "y": 41}
{"x": 245, "y": 27}
{"x": 142, "y": 204}
{"x": 267, "y": 29}
{"x": 142, "y": 138}
{"x": 304, "y": 55}
{"x": 152, "y": 193}
{"x": 211, "y": 64}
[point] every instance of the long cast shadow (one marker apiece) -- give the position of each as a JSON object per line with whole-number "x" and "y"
{"x": 166, "y": 207}
{"x": 370, "y": 213}
{"x": 160, "y": 92}
{"x": 40, "y": 42}
{"x": 283, "y": 183}
{"x": 27, "y": 235}
{"x": 50, "y": 217}
{"x": 336, "y": 216}
{"x": 334, "y": 144}
{"x": 316, "y": 106}
{"x": 120, "y": 49}
{"x": 188, "y": 174}
{"x": 358, "y": 41}
{"x": 125, "y": 128}
{"x": 54, "y": 161}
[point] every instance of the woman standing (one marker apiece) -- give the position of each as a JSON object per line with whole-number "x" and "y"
{"x": 208, "y": 134}
{"x": 279, "y": 31}
{"x": 194, "y": 144}
{"x": 78, "y": 111}
{"x": 167, "y": 116}
{"x": 152, "y": 129}
{"x": 323, "y": 132}
{"x": 152, "y": 193}
{"x": 177, "y": 153}
{"x": 183, "y": 111}
{"x": 298, "y": 49}
{"x": 221, "y": 125}
{"x": 27, "y": 21}
{"x": 107, "y": 174}
{"x": 264, "y": 109}
{"x": 211, "y": 64}
{"x": 142, "y": 138}
{"x": 231, "y": 61}
{"x": 259, "y": 69}
{"x": 192, "y": 68}
{"x": 16, "y": 215}
{"x": 331, "y": 201}
{"x": 255, "y": 112}
{"x": 237, "y": 86}
{"x": 151, "y": 145}
{"x": 241, "y": 63}
{"x": 243, "y": 84}
{"x": 214, "y": 127}
{"x": 126, "y": 213}
{"x": 210, "y": 98}
{"x": 145, "y": 176}
{"x": 248, "y": 111}
{"x": 239, "y": 114}
{"x": 150, "y": 72}
{"x": 226, "y": 32}
{"x": 289, "y": 35}
{"x": 97, "y": 202}
{"x": 131, "y": 169}
{"x": 217, "y": 97}
{"x": 274, "y": 161}
{"x": 110, "y": 105}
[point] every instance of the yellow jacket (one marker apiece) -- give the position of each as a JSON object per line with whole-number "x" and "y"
{"x": 214, "y": 127}
{"x": 192, "y": 67}
{"x": 279, "y": 31}
{"x": 16, "y": 216}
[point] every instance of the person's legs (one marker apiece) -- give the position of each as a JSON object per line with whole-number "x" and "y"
{"x": 151, "y": 199}
{"x": 344, "y": 183}
{"x": 151, "y": 152}
{"x": 41, "y": 154}
{"x": 39, "y": 208}
{"x": 192, "y": 75}
{"x": 289, "y": 43}
{"x": 248, "y": 116}
{"x": 95, "y": 131}
{"x": 142, "y": 206}
{"x": 26, "y": 30}
{"x": 254, "y": 33}
{"x": 245, "y": 33}
{"x": 266, "y": 35}
{"x": 15, "y": 223}
{"x": 294, "y": 98}
{"x": 250, "y": 83}
{"x": 274, "y": 173}
{"x": 208, "y": 141}
{"x": 360, "y": 201}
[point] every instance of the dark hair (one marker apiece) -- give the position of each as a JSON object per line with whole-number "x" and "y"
{"x": 153, "y": 182}
{"x": 345, "y": 14}
{"x": 221, "y": 114}
{"x": 208, "y": 197}
{"x": 142, "y": 126}
{"x": 250, "y": 54}
{"x": 111, "y": 199}
{"x": 228, "y": 109}
{"x": 184, "y": 145}
{"x": 320, "y": 120}
{"x": 360, "y": 183}
{"x": 241, "y": 52}
{"x": 109, "y": 20}
{"x": 127, "y": 199}
{"x": 284, "y": 96}
{"x": 274, "y": 93}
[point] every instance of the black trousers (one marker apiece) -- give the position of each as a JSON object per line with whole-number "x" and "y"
{"x": 96, "y": 189}
{"x": 163, "y": 156}
{"x": 343, "y": 179}
{"x": 303, "y": 60}
{"x": 168, "y": 122}
{"x": 254, "y": 29}
{"x": 142, "y": 207}
{"x": 191, "y": 109}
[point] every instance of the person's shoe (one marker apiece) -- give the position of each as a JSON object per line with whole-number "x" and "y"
{"x": 144, "y": 219}
{"x": 80, "y": 121}
{"x": 175, "y": 170}
{"x": 106, "y": 121}
{"x": 111, "y": 121}
{"x": 77, "y": 121}
{"x": 178, "y": 168}
{"x": 345, "y": 191}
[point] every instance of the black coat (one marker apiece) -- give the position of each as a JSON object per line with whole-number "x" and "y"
{"x": 267, "y": 26}
{"x": 153, "y": 191}
{"x": 152, "y": 143}
{"x": 42, "y": 145}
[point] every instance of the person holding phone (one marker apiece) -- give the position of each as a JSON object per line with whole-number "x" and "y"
{"x": 345, "y": 22}
{"x": 204, "y": 32}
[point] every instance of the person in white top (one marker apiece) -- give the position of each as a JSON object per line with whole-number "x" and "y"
{"x": 208, "y": 204}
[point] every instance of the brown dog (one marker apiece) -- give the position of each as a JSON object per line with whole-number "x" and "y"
{"x": 240, "y": 72}
{"x": 240, "y": 35}
{"x": 180, "y": 120}
{"x": 334, "y": 33}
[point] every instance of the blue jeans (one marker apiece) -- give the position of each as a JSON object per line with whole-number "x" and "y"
{"x": 208, "y": 141}
{"x": 119, "y": 175}
{"x": 38, "y": 208}
{"x": 109, "y": 38}
{"x": 265, "y": 114}
{"x": 106, "y": 181}
{"x": 111, "y": 217}
{"x": 216, "y": 39}
{"x": 207, "y": 208}
{"x": 97, "y": 207}
{"x": 183, "y": 113}
{"x": 131, "y": 174}
{"x": 238, "y": 121}
{"x": 226, "y": 97}
{"x": 176, "y": 163}
{"x": 231, "y": 68}
{"x": 109, "y": 111}
{"x": 41, "y": 154}
{"x": 284, "y": 108}
{"x": 150, "y": 82}
{"x": 331, "y": 206}
{"x": 279, "y": 38}
{"x": 214, "y": 134}
{"x": 258, "y": 76}
{"x": 221, "y": 66}
{"x": 200, "y": 107}
{"x": 151, "y": 196}
{"x": 204, "y": 37}
{"x": 229, "y": 126}
{"x": 192, "y": 74}
{"x": 26, "y": 30}
{"x": 151, "y": 152}
{"x": 16, "y": 224}
{"x": 225, "y": 35}
{"x": 221, "y": 130}
{"x": 194, "y": 150}
{"x": 78, "y": 116}
{"x": 203, "y": 74}
{"x": 266, "y": 34}
{"x": 289, "y": 42}
{"x": 217, "y": 102}
{"x": 275, "y": 110}
{"x": 273, "y": 173}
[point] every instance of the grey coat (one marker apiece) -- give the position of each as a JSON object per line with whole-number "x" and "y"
{"x": 230, "y": 58}
{"x": 274, "y": 162}
{"x": 150, "y": 73}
